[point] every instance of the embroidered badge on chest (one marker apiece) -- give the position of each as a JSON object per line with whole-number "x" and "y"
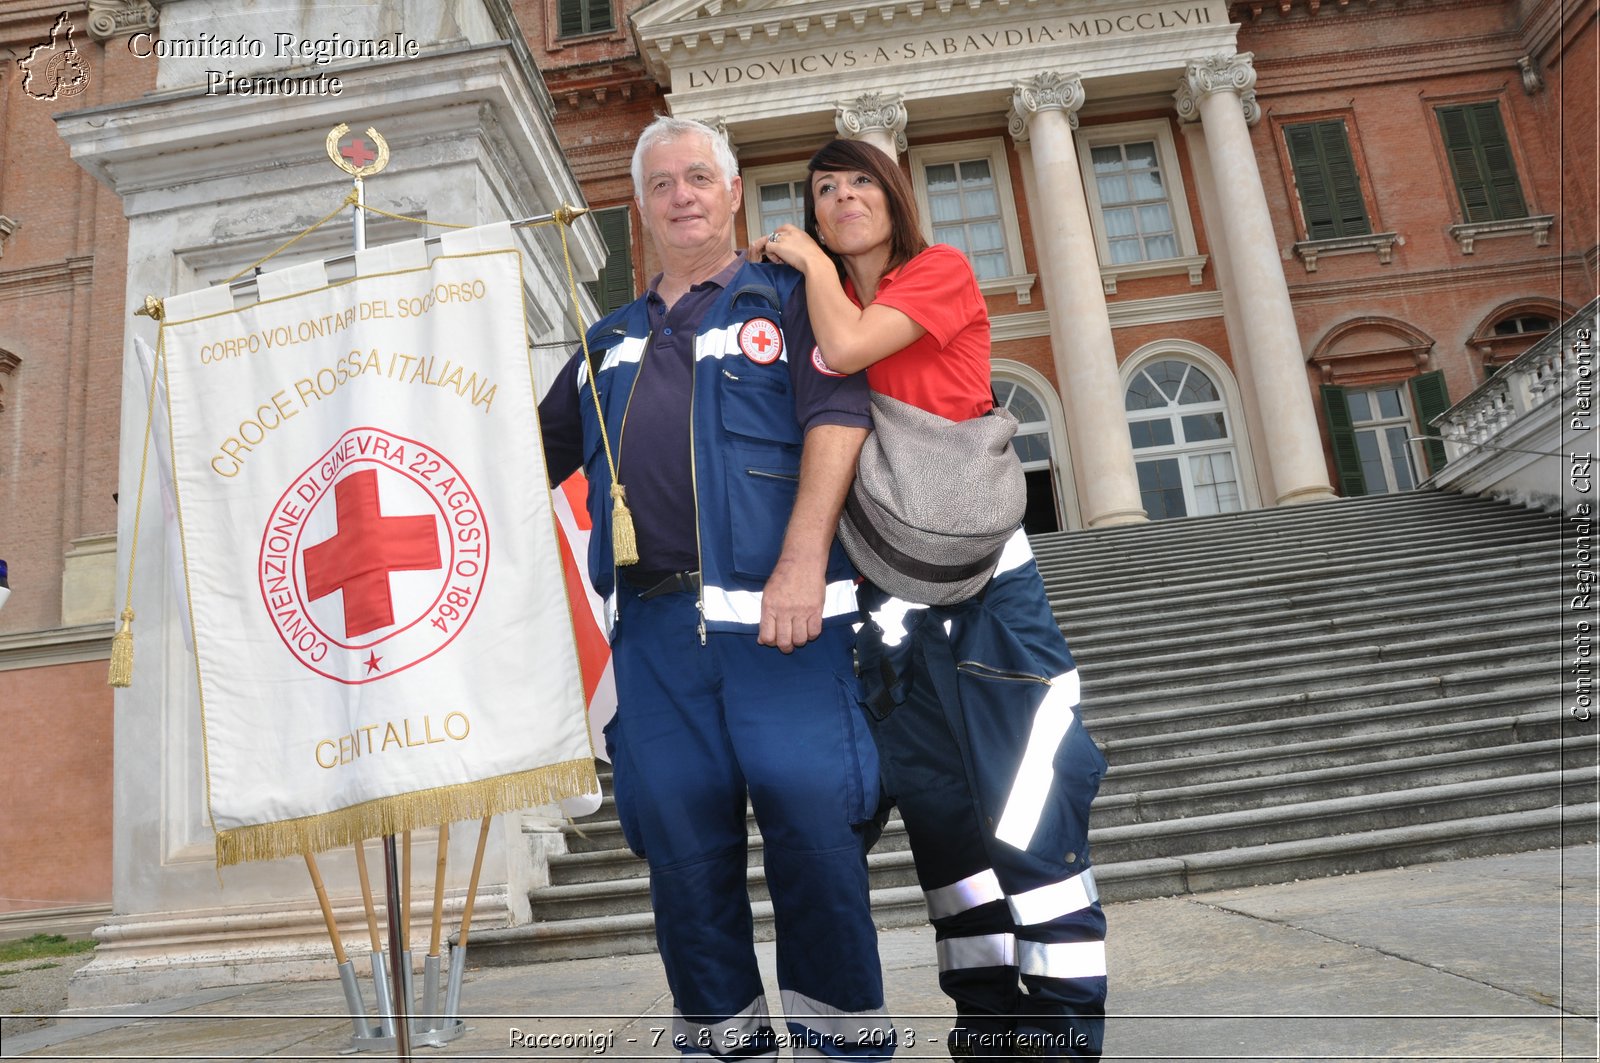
{"x": 760, "y": 341}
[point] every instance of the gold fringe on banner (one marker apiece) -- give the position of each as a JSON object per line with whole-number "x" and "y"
{"x": 403, "y": 812}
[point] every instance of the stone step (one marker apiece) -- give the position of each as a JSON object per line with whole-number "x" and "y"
{"x": 1145, "y": 805}
{"x": 1336, "y": 545}
{"x": 1113, "y": 716}
{"x": 1199, "y": 561}
{"x": 1367, "y": 749}
{"x": 1446, "y": 604}
{"x": 1211, "y": 735}
{"x": 1334, "y": 684}
{"x": 1165, "y": 876}
{"x": 1507, "y": 628}
{"x": 1252, "y": 587}
{"x": 1300, "y": 821}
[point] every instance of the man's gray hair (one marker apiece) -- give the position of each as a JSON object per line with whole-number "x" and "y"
{"x": 666, "y": 129}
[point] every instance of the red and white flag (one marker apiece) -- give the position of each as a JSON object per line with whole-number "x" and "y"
{"x": 382, "y": 631}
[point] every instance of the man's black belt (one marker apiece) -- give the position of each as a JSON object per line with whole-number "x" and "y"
{"x": 655, "y": 584}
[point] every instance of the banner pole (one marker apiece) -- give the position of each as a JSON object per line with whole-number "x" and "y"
{"x": 380, "y": 985}
{"x": 458, "y": 956}
{"x": 430, "y": 964}
{"x": 347, "y": 971}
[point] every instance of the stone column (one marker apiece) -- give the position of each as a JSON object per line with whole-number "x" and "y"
{"x": 1044, "y": 114}
{"x": 1219, "y": 91}
{"x": 879, "y": 118}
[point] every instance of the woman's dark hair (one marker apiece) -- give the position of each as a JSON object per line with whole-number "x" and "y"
{"x": 905, "y": 234}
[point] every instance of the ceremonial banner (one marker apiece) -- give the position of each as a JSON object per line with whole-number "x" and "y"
{"x": 382, "y": 634}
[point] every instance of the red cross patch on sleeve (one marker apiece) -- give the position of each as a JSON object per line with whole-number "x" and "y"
{"x": 761, "y": 341}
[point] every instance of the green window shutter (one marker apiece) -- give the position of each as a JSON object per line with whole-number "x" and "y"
{"x": 599, "y": 13}
{"x": 1430, "y": 398}
{"x": 1342, "y": 434}
{"x": 1325, "y": 176}
{"x": 569, "y": 18}
{"x": 1480, "y": 161}
{"x": 614, "y": 288}
{"x": 1505, "y": 193}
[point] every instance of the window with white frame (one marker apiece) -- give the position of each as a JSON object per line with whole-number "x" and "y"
{"x": 1381, "y": 418}
{"x": 1183, "y": 447}
{"x": 1035, "y": 451}
{"x": 965, "y": 199}
{"x": 773, "y": 196}
{"x": 1136, "y": 199}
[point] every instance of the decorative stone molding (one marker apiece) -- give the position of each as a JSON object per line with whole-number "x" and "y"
{"x": 1193, "y": 265}
{"x": 1468, "y": 233}
{"x": 7, "y": 227}
{"x": 8, "y": 365}
{"x": 1218, "y": 73}
{"x": 1048, "y": 91}
{"x": 1532, "y": 83}
{"x": 111, "y": 18}
{"x": 872, "y": 111}
{"x": 1382, "y": 243}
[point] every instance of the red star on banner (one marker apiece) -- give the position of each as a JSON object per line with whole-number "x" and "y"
{"x": 372, "y": 662}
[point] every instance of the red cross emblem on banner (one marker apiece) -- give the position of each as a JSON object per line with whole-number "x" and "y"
{"x": 761, "y": 341}
{"x": 366, "y": 549}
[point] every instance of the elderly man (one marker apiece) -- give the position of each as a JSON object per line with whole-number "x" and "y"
{"x": 731, "y": 635}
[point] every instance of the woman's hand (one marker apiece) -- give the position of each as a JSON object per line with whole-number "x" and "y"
{"x": 790, "y": 245}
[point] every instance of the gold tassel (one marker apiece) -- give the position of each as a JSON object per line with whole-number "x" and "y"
{"x": 623, "y": 542}
{"x": 122, "y": 652}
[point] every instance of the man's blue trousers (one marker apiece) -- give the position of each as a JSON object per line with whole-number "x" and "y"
{"x": 700, "y": 727}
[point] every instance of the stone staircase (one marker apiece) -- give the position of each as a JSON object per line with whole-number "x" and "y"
{"x": 1280, "y": 694}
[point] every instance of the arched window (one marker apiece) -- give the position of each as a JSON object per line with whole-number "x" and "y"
{"x": 1183, "y": 444}
{"x": 1032, "y": 443}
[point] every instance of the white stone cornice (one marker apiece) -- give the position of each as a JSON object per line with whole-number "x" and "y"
{"x": 1218, "y": 73}
{"x": 1049, "y": 91}
{"x": 109, "y": 18}
{"x": 872, "y": 111}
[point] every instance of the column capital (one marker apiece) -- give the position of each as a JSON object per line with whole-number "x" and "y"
{"x": 1218, "y": 73}
{"x": 1049, "y": 91}
{"x": 869, "y": 112}
{"x": 111, "y": 18}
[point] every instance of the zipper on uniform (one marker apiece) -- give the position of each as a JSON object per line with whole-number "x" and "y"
{"x": 1001, "y": 673}
{"x": 766, "y": 474}
{"x": 694, "y": 488}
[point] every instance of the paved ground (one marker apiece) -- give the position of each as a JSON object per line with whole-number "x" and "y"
{"x": 1490, "y": 958}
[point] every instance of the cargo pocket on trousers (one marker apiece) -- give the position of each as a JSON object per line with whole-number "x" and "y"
{"x": 861, "y": 756}
{"x": 622, "y": 789}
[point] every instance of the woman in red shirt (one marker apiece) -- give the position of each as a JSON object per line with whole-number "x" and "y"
{"x": 975, "y": 704}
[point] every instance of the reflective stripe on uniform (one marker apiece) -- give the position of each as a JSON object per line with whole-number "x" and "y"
{"x": 891, "y": 619}
{"x": 744, "y": 607}
{"x": 962, "y": 896}
{"x": 629, "y": 350}
{"x": 721, "y": 1037}
{"x": 1030, "y": 788}
{"x": 1018, "y": 552}
{"x": 986, "y": 950}
{"x": 1062, "y": 959}
{"x": 847, "y": 1028}
{"x": 1055, "y": 900}
{"x": 724, "y": 342}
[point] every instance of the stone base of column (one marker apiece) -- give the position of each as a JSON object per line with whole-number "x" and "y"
{"x": 148, "y": 957}
{"x": 1119, "y": 516}
{"x": 1302, "y": 495}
